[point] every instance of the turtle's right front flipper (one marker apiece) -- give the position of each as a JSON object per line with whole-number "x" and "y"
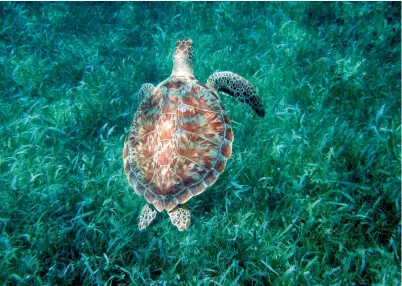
{"x": 238, "y": 87}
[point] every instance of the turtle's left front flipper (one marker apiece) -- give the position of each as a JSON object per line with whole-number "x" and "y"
{"x": 146, "y": 90}
{"x": 238, "y": 87}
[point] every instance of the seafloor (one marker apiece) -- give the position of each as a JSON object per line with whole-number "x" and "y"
{"x": 311, "y": 195}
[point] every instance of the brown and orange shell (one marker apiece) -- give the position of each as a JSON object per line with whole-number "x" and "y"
{"x": 178, "y": 144}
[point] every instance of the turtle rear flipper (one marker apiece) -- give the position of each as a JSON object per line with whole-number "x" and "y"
{"x": 180, "y": 216}
{"x": 238, "y": 87}
{"x": 147, "y": 215}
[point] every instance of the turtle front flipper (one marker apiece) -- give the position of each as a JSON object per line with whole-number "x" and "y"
{"x": 180, "y": 216}
{"x": 147, "y": 215}
{"x": 238, "y": 87}
{"x": 145, "y": 90}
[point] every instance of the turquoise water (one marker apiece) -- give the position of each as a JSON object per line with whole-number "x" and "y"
{"x": 310, "y": 195}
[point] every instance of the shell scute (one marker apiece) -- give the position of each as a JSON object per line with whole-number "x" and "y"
{"x": 226, "y": 149}
{"x": 144, "y": 149}
{"x": 226, "y": 119}
{"x": 170, "y": 203}
{"x": 149, "y": 195}
{"x": 198, "y": 188}
{"x": 151, "y": 102}
{"x": 208, "y": 125}
{"x": 127, "y": 167}
{"x": 125, "y": 150}
{"x": 132, "y": 178}
{"x": 144, "y": 124}
{"x": 196, "y": 148}
{"x": 159, "y": 203}
{"x": 201, "y": 98}
{"x": 229, "y": 134}
{"x": 220, "y": 164}
{"x": 173, "y": 84}
{"x": 144, "y": 173}
{"x": 166, "y": 126}
{"x": 188, "y": 171}
{"x": 211, "y": 177}
{"x": 147, "y": 171}
{"x": 184, "y": 196}
{"x": 165, "y": 153}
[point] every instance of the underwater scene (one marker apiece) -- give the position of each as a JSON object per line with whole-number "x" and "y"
{"x": 200, "y": 143}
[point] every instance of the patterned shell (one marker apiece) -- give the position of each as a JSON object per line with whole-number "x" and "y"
{"x": 178, "y": 144}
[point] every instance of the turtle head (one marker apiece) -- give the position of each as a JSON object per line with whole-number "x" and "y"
{"x": 183, "y": 58}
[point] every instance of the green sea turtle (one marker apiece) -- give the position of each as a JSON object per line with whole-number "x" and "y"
{"x": 181, "y": 137}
